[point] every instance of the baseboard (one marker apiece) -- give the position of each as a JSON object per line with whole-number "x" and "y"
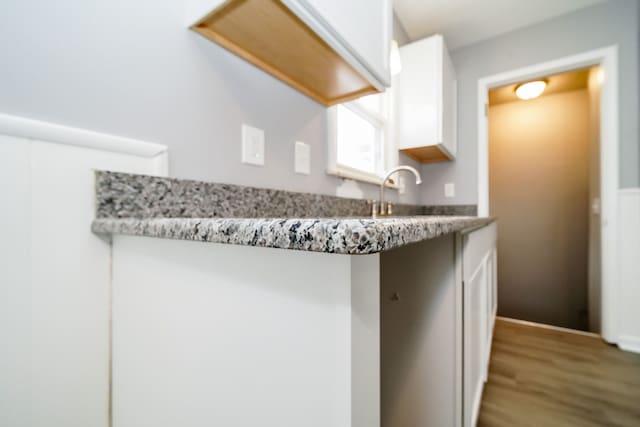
{"x": 545, "y": 326}
{"x": 629, "y": 343}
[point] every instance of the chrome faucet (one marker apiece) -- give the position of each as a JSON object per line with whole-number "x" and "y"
{"x": 384, "y": 210}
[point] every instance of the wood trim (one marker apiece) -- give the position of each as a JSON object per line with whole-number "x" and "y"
{"x": 428, "y": 154}
{"x": 270, "y": 36}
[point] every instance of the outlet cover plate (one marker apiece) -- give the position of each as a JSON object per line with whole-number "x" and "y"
{"x": 302, "y": 162}
{"x": 449, "y": 189}
{"x": 252, "y": 145}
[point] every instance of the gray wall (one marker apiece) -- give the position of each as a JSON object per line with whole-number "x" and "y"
{"x": 613, "y": 22}
{"x": 539, "y": 177}
{"x": 399, "y": 33}
{"x": 131, "y": 68}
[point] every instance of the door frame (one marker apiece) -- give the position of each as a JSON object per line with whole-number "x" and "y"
{"x": 607, "y": 59}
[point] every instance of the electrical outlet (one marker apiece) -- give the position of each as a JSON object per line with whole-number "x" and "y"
{"x": 401, "y": 185}
{"x": 449, "y": 189}
{"x": 302, "y": 158}
{"x": 252, "y": 145}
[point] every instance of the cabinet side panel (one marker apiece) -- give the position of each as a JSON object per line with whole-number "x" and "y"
{"x": 224, "y": 335}
{"x": 365, "y": 344}
{"x": 420, "y": 335}
{"x": 449, "y": 103}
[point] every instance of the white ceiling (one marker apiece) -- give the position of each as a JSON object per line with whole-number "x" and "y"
{"x": 464, "y": 22}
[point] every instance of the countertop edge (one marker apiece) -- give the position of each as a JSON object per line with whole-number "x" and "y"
{"x": 346, "y": 236}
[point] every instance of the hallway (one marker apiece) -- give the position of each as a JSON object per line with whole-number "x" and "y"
{"x": 550, "y": 377}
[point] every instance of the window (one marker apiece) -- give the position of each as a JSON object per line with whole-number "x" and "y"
{"x": 360, "y": 138}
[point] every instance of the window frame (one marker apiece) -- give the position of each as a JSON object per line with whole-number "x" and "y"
{"x": 383, "y": 123}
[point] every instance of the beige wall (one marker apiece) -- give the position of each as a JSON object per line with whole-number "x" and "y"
{"x": 539, "y": 189}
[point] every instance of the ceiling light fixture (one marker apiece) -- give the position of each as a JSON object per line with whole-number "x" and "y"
{"x": 531, "y": 90}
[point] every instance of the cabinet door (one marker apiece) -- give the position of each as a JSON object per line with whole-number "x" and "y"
{"x": 475, "y": 332}
{"x": 478, "y": 272}
{"x": 418, "y": 94}
{"x": 494, "y": 284}
{"x": 490, "y": 307}
{"x": 426, "y": 94}
{"x": 363, "y": 26}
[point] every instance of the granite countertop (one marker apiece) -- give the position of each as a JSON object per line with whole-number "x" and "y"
{"x": 222, "y": 213}
{"x": 332, "y": 235}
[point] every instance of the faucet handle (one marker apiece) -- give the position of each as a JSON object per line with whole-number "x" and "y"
{"x": 389, "y": 209}
{"x": 374, "y": 208}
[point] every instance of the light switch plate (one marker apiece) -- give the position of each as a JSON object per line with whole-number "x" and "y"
{"x": 252, "y": 145}
{"x": 302, "y": 161}
{"x": 449, "y": 189}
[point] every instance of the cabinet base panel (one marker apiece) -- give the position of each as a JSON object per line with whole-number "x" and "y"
{"x": 430, "y": 154}
{"x": 271, "y": 37}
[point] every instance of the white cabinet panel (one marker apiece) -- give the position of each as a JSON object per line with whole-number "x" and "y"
{"x": 330, "y": 50}
{"x": 365, "y": 26}
{"x": 475, "y": 332}
{"x": 426, "y": 101}
{"x": 421, "y": 335}
{"x": 54, "y": 275}
{"x": 15, "y": 283}
{"x": 449, "y": 102}
{"x": 480, "y": 302}
{"x": 225, "y": 335}
{"x": 418, "y": 94}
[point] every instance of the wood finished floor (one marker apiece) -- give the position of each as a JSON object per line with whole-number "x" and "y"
{"x": 543, "y": 377}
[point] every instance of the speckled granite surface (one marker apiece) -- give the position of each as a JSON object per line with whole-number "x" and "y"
{"x": 121, "y": 195}
{"x": 333, "y": 235}
{"x": 222, "y": 213}
{"x": 458, "y": 210}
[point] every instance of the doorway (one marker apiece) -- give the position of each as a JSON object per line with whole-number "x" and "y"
{"x": 606, "y": 59}
{"x": 544, "y": 188}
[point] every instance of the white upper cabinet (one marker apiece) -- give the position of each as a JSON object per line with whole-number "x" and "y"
{"x": 364, "y": 27}
{"x": 426, "y": 94}
{"x": 331, "y": 50}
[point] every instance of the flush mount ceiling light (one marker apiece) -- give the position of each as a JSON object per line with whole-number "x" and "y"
{"x": 531, "y": 90}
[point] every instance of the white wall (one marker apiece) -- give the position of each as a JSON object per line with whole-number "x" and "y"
{"x": 613, "y": 22}
{"x": 629, "y": 269}
{"x": 54, "y": 283}
{"x": 132, "y": 68}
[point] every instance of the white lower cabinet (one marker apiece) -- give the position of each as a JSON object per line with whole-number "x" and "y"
{"x": 211, "y": 334}
{"x": 421, "y": 335}
{"x": 479, "y": 311}
{"x": 438, "y": 309}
